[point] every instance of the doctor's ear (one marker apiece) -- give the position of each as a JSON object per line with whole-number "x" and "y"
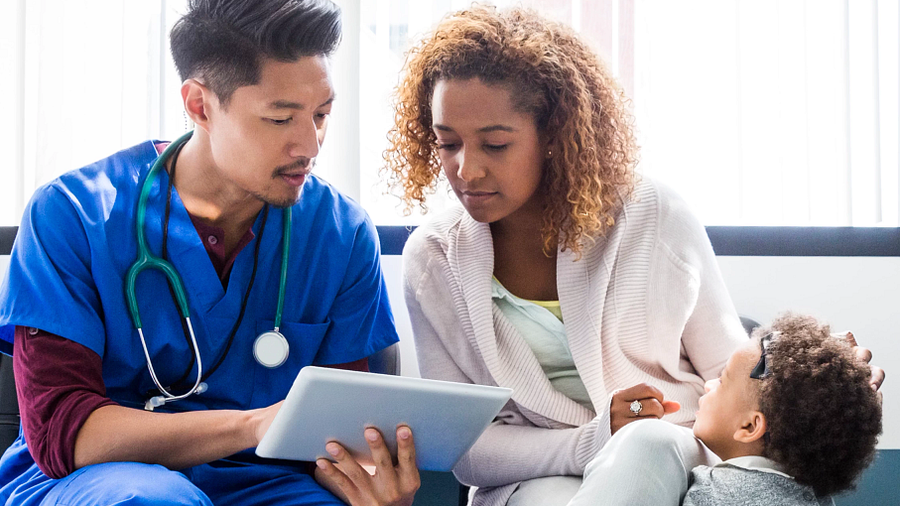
{"x": 198, "y": 100}
{"x": 753, "y": 428}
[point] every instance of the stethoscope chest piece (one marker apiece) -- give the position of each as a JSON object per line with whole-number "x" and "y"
{"x": 271, "y": 349}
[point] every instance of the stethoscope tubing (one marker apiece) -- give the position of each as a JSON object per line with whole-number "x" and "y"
{"x": 146, "y": 260}
{"x": 168, "y": 396}
{"x": 282, "y": 282}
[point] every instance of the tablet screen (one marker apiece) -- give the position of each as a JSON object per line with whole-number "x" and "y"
{"x": 326, "y": 404}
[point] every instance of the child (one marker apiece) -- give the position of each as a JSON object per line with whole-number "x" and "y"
{"x": 792, "y": 417}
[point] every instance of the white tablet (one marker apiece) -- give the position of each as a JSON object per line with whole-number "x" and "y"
{"x": 337, "y": 405}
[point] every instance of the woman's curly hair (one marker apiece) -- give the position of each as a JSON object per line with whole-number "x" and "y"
{"x": 823, "y": 417}
{"x": 552, "y": 75}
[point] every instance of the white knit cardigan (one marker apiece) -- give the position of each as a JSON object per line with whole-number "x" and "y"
{"x": 645, "y": 304}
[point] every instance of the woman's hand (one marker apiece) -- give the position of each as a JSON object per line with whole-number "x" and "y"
{"x": 651, "y": 405}
{"x": 866, "y": 355}
{"x": 391, "y": 485}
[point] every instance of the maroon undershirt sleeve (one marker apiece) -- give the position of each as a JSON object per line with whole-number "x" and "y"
{"x": 59, "y": 384}
{"x": 358, "y": 365}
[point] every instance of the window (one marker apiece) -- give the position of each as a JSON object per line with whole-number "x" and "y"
{"x": 89, "y": 77}
{"x": 772, "y": 112}
{"x": 756, "y": 112}
{"x": 759, "y": 112}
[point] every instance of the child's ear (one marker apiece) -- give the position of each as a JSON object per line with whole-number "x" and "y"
{"x": 752, "y": 429}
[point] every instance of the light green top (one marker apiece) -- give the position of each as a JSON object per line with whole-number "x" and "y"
{"x": 540, "y": 324}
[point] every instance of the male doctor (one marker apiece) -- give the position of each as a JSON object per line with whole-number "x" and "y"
{"x": 257, "y": 84}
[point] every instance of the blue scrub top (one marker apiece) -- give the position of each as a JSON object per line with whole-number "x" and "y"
{"x": 67, "y": 277}
{"x": 77, "y": 240}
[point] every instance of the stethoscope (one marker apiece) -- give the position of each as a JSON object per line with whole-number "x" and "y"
{"x": 270, "y": 348}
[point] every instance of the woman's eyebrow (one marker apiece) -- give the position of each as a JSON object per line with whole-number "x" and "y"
{"x": 497, "y": 128}
{"x": 492, "y": 128}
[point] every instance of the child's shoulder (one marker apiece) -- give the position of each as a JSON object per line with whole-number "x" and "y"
{"x": 727, "y": 484}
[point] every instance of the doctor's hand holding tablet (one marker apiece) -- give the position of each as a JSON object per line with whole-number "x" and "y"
{"x": 345, "y": 420}
{"x": 392, "y": 484}
{"x": 389, "y": 485}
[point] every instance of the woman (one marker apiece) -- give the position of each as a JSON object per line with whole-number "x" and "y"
{"x": 562, "y": 276}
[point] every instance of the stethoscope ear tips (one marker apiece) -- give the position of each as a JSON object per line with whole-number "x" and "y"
{"x": 154, "y": 402}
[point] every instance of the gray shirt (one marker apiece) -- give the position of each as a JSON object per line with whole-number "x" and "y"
{"x": 727, "y": 484}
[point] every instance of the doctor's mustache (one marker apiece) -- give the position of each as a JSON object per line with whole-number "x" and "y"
{"x": 301, "y": 163}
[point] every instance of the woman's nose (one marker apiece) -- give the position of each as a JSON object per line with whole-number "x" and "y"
{"x": 469, "y": 168}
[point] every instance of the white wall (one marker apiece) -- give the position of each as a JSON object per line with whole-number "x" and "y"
{"x": 861, "y": 294}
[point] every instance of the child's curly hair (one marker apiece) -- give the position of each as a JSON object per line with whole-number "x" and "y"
{"x": 823, "y": 417}
{"x": 552, "y": 75}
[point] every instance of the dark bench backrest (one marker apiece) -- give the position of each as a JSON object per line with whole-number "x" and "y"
{"x": 9, "y": 404}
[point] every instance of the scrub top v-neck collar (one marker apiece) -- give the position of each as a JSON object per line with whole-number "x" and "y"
{"x": 188, "y": 253}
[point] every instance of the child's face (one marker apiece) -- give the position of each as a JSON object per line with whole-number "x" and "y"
{"x": 728, "y": 403}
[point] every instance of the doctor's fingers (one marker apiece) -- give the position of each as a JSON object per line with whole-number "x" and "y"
{"x": 335, "y": 481}
{"x": 347, "y": 466}
{"x": 407, "y": 471}
{"x": 393, "y": 485}
{"x": 385, "y": 478}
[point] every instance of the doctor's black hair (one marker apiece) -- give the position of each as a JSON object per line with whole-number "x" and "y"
{"x": 223, "y": 43}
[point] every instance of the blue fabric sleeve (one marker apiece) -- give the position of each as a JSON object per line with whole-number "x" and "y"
{"x": 6, "y": 339}
{"x": 49, "y": 284}
{"x": 361, "y": 318}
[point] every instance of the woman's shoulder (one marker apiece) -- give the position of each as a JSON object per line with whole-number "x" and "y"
{"x": 657, "y": 197}
{"x": 661, "y": 207}
{"x": 435, "y": 232}
{"x": 658, "y": 218}
{"x": 429, "y": 242}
